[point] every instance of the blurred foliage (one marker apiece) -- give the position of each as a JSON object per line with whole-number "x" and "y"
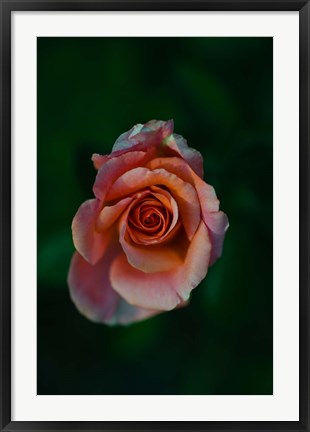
{"x": 219, "y": 93}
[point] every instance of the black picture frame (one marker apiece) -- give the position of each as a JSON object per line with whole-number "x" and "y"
{"x": 6, "y": 8}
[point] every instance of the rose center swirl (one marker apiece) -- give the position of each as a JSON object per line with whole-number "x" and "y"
{"x": 148, "y": 221}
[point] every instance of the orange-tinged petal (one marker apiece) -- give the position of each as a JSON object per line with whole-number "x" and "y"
{"x": 152, "y": 258}
{"x": 99, "y": 160}
{"x": 90, "y": 288}
{"x": 127, "y": 314}
{"x": 165, "y": 290}
{"x": 181, "y": 169}
{"x": 169, "y": 202}
{"x": 218, "y": 224}
{"x": 146, "y": 290}
{"x": 184, "y": 193}
{"x": 114, "y": 168}
{"x": 167, "y": 226}
{"x": 178, "y": 145}
{"x": 196, "y": 263}
{"x": 94, "y": 297}
{"x": 87, "y": 241}
{"x": 127, "y": 139}
{"x": 216, "y": 221}
{"x": 109, "y": 214}
{"x": 151, "y": 134}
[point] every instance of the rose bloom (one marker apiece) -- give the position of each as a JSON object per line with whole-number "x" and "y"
{"x": 151, "y": 232}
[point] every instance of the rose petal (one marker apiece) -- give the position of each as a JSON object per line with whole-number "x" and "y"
{"x": 163, "y": 291}
{"x": 196, "y": 263}
{"x": 164, "y": 197}
{"x": 90, "y": 288}
{"x": 128, "y": 314}
{"x": 178, "y": 145}
{"x": 184, "y": 193}
{"x": 181, "y": 169}
{"x": 144, "y": 239}
{"x": 144, "y": 197}
{"x": 87, "y": 241}
{"x": 147, "y": 290}
{"x": 146, "y": 234}
{"x": 109, "y": 214}
{"x": 140, "y": 138}
{"x": 164, "y": 127}
{"x": 218, "y": 225}
{"x": 114, "y": 168}
{"x": 99, "y": 160}
{"x": 94, "y": 297}
{"x": 216, "y": 221}
{"x": 126, "y": 140}
{"x": 122, "y": 143}
{"x": 168, "y": 201}
{"x": 151, "y": 258}
{"x": 152, "y": 133}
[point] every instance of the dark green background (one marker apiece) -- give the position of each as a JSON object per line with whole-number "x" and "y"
{"x": 219, "y": 93}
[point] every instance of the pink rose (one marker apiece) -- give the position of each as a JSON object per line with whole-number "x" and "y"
{"x": 151, "y": 232}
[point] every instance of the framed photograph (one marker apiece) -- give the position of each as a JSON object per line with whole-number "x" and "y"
{"x": 154, "y": 215}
